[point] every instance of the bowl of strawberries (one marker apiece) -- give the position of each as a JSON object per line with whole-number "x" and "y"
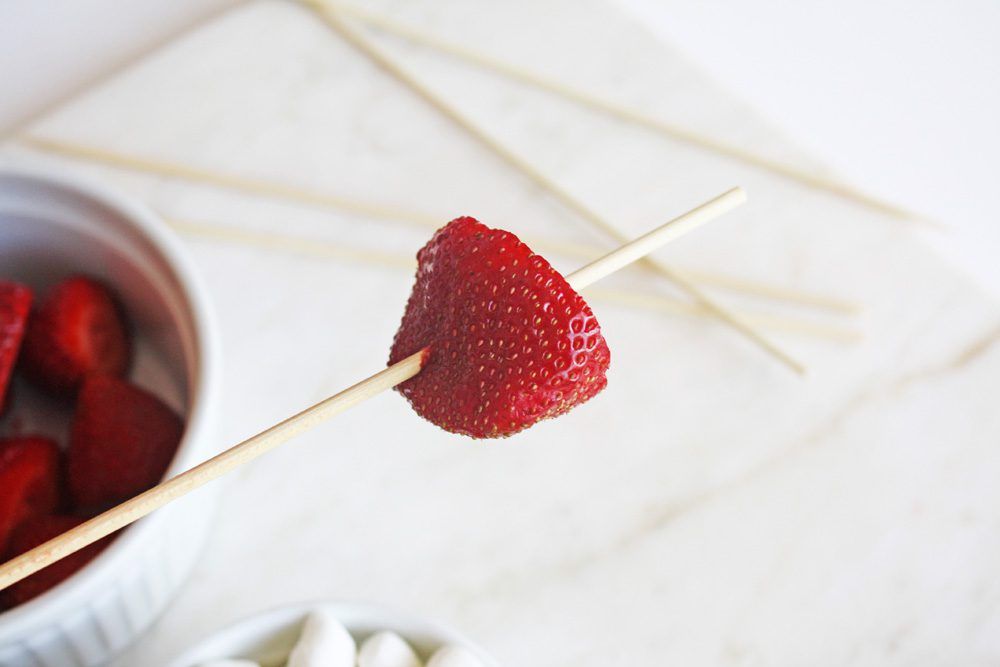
{"x": 108, "y": 372}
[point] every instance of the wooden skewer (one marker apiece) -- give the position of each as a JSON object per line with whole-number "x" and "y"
{"x": 389, "y": 64}
{"x": 639, "y": 248}
{"x": 662, "y": 304}
{"x": 739, "y": 285}
{"x": 655, "y": 302}
{"x": 771, "y": 291}
{"x": 272, "y": 241}
{"x": 622, "y": 112}
{"x": 166, "y": 492}
{"x": 230, "y": 181}
{"x": 368, "y": 209}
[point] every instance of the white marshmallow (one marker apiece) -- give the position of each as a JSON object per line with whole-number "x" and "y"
{"x": 387, "y": 649}
{"x": 227, "y": 662}
{"x": 324, "y": 642}
{"x": 454, "y": 656}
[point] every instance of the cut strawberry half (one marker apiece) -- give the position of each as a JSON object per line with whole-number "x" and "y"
{"x": 78, "y": 329}
{"x": 29, "y": 482}
{"x": 38, "y": 531}
{"x": 121, "y": 442}
{"x": 511, "y": 343}
{"x": 15, "y": 304}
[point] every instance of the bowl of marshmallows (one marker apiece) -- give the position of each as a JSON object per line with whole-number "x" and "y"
{"x": 335, "y": 635}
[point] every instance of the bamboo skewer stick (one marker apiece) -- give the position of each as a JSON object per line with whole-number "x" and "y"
{"x": 662, "y": 304}
{"x": 166, "y": 492}
{"x": 654, "y": 302}
{"x": 770, "y": 291}
{"x": 731, "y": 283}
{"x": 625, "y": 113}
{"x": 389, "y": 64}
{"x": 636, "y": 249}
{"x": 271, "y": 241}
{"x": 230, "y": 181}
{"x": 316, "y": 198}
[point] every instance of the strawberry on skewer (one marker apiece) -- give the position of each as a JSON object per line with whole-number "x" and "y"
{"x": 513, "y": 344}
{"x": 433, "y": 339}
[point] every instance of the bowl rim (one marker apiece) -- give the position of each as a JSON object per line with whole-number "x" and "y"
{"x": 351, "y": 613}
{"x": 203, "y": 390}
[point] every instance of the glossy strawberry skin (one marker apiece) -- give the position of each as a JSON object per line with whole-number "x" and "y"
{"x": 78, "y": 329}
{"x": 15, "y": 305}
{"x": 122, "y": 440}
{"x": 511, "y": 343}
{"x": 38, "y": 531}
{"x": 29, "y": 482}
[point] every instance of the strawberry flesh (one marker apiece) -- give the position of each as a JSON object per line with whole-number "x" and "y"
{"x": 78, "y": 329}
{"x": 122, "y": 440}
{"x": 36, "y": 532}
{"x": 29, "y": 482}
{"x": 511, "y": 343}
{"x": 15, "y": 304}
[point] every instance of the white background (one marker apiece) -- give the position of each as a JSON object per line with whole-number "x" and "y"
{"x": 900, "y": 96}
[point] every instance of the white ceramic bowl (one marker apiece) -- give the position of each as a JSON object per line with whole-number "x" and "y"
{"x": 53, "y": 225}
{"x": 268, "y": 638}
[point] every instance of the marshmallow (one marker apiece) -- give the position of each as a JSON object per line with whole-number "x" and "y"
{"x": 387, "y": 649}
{"x": 454, "y": 656}
{"x": 229, "y": 663}
{"x": 324, "y": 642}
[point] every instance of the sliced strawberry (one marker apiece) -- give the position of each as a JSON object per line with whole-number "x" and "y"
{"x": 29, "y": 482}
{"x": 15, "y": 304}
{"x": 78, "y": 329}
{"x": 36, "y": 532}
{"x": 511, "y": 343}
{"x": 121, "y": 441}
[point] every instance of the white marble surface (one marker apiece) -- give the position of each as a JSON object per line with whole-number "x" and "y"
{"x": 708, "y": 508}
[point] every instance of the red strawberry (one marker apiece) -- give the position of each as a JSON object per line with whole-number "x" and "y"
{"x": 78, "y": 329}
{"x": 121, "y": 441}
{"x": 511, "y": 342}
{"x": 38, "y": 531}
{"x": 29, "y": 482}
{"x": 15, "y": 303}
